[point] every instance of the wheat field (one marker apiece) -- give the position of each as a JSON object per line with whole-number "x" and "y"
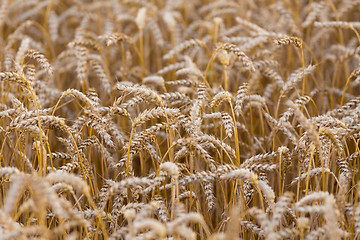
{"x": 179, "y": 119}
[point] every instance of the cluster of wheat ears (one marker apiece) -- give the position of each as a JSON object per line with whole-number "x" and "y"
{"x": 134, "y": 119}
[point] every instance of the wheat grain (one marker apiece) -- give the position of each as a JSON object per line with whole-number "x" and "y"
{"x": 179, "y": 120}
